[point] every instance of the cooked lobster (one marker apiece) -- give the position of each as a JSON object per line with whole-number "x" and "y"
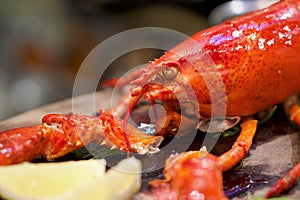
{"x": 218, "y": 76}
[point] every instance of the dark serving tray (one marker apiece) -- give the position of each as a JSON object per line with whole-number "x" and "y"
{"x": 276, "y": 147}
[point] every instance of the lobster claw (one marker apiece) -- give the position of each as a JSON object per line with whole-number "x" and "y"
{"x": 116, "y": 130}
{"x": 55, "y": 137}
{"x": 65, "y": 133}
{"x": 68, "y": 133}
{"x": 61, "y": 134}
{"x": 190, "y": 175}
{"x": 20, "y": 144}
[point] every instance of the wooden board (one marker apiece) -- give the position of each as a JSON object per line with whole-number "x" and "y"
{"x": 276, "y": 145}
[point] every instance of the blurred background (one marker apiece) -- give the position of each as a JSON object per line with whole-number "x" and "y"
{"x": 43, "y": 43}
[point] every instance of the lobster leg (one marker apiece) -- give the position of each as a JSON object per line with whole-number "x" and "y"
{"x": 169, "y": 124}
{"x": 285, "y": 182}
{"x": 291, "y": 177}
{"x": 241, "y": 146}
{"x": 122, "y": 106}
{"x": 295, "y": 114}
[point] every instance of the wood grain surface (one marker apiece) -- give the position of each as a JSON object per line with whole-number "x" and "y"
{"x": 276, "y": 145}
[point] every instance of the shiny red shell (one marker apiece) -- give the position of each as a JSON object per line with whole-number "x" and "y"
{"x": 255, "y": 56}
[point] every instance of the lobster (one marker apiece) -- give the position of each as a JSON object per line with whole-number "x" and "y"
{"x": 222, "y": 76}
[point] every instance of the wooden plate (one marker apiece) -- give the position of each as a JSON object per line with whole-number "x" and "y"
{"x": 276, "y": 146}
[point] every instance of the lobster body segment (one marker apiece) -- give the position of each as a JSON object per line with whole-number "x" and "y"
{"x": 255, "y": 55}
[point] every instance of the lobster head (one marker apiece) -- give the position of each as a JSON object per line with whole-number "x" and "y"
{"x": 191, "y": 85}
{"x": 193, "y": 81}
{"x": 163, "y": 82}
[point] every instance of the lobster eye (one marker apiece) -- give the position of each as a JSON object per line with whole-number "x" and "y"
{"x": 169, "y": 73}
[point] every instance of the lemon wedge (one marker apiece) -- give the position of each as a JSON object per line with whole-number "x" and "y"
{"x": 120, "y": 182}
{"x": 76, "y": 180}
